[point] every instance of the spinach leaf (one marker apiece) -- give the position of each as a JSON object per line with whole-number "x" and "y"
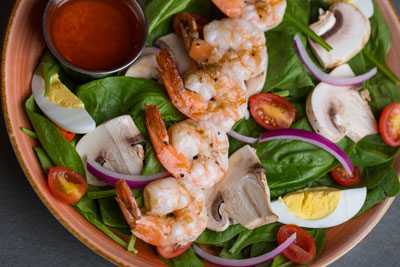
{"x": 152, "y": 164}
{"x": 383, "y": 92}
{"x": 288, "y": 72}
{"x": 111, "y": 213}
{"x": 219, "y": 238}
{"x": 187, "y": 259}
{"x": 265, "y": 233}
{"x": 155, "y": 95}
{"x": 290, "y": 162}
{"x": 110, "y": 97}
{"x": 257, "y": 249}
{"x": 372, "y": 151}
{"x": 58, "y": 149}
{"x": 391, "y": 184}
{"x": 88, "y": 208}
{"x": 375, "y": 196}
{"x": 247, "y": 128}
{"x": 373, "y": 176}
{"x": 44, "y": 159}
{"x": 379, "y": 44}
{"x": 159, "y": 11}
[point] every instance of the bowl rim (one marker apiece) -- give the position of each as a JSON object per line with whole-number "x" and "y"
{"x": 386, "y": 204}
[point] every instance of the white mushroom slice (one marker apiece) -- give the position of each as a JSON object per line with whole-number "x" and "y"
{"x": 113, "y": 144}
{"x": 256, "y": 84}
{"x": 145, "y": 67}
{"x": 365, "y": 6}
{"x": 347, "y": 35}
{"x": 177, "y": 48}
{"x": 337, "y": 111}
{"x": 243, "y": 194}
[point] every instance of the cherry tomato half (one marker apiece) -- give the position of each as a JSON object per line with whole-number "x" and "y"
{"x": 303, "y": 250}
{"x": 271, "y": 111}
{"x": 341, "y": 176}
{"x": 389, "y": 124}
{"x": 67, "y": 135}
{"x": 172, "y": 251}
{"x": 66, "y": 184}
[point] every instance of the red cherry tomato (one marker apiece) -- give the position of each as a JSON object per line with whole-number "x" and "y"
{"x": 303, "y": 250}
{"x": 66, "y": 184}
{"x": 272, "y": 111}
{"x": 67, "y": 135}
{"x": 341, "y": 176}
{"x": 172, "y": 251}
{"x": 389, "y": 124}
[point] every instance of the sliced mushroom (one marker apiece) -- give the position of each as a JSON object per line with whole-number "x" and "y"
{"x": 145, "y": 67}
{"x": 115, "y": 145}
{"x": 345, "y": 29}
{"x": 177, "y": 48}
{"x": 242, "y": 196}
{"x": 337, "y": 111}
{"x": 256, "y": 84}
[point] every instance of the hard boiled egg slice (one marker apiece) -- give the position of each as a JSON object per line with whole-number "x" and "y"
{"x": 319, "y": 207}
{"x": 61, "y": 106}
{"x": 365, "y": 6}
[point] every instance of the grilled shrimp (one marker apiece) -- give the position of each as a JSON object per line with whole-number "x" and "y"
{"x": 210, "y": 93}
{"x": 191, "y": 150}
{"x": 235, "y": 44}
{"x": 265, "y": 14}
{"x": 161, "y": 197}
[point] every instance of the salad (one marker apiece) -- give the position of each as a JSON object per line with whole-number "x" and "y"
{"x": 238, "y": 152}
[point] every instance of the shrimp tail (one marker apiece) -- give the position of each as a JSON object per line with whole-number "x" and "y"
{"x": 127, "y": 203}
{"x": 175, "y": 163}
{"x": 186, "y": 101}
{"x": 187, "y": 26}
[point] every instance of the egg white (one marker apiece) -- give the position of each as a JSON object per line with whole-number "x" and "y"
{"x": 351, "y": 201}
{"x": 76, "y": 120}
{"x": 365, "y": 6}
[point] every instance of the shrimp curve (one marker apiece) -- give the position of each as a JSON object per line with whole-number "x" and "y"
{"x": 265, "y": 14}
{"x": 190, "y": 150}
{"x": 210, "y": 93}
{"x": 168, "y": 195}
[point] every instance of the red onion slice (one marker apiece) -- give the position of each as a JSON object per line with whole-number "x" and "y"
{"x": 111, "y": 177}
{"x": 246, "y": 262}
{"x": 312, "y": 138}
{"x": 150, "y": 50}
{"x": 242, "y": 138}
{"x": 324, "y": 77}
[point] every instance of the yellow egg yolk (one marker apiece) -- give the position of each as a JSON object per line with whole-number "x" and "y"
{"x": 312, "y": 203}
{"x": 60, "y": 95}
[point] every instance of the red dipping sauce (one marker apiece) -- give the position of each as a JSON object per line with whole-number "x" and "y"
{"x": 95, "y": 35}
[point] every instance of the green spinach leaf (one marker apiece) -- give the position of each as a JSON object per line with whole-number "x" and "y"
{"x": 187, "y": 259}
{"x": 58, "y": 149}
{"x": 44, "y": 159}
{"x": 220, "y": 238}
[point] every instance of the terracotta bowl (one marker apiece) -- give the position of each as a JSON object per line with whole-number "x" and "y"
{"x": 22, "y": 49}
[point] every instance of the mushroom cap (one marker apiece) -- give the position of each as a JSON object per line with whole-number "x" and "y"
{"x": 337, "y": 111}
{"x": 345, "y": 29}
{"x": 114, "y": 144}
{"x": 242, "y": 196}
{"x": 176, "y": 47}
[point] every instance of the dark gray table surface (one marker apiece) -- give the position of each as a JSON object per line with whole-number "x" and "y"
{"x": 31, "y": 236}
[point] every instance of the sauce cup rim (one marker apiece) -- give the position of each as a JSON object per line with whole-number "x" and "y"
{"x": 145, "y": 29}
